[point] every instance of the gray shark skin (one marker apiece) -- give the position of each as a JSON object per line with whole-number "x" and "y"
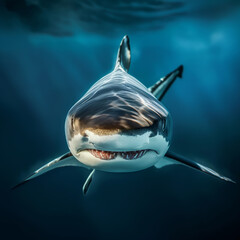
{"x": 119, "y": 125}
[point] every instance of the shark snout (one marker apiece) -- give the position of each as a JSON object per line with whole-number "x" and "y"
{"x": 119, "y": 141}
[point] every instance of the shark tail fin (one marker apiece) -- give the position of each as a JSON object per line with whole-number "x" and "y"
{"x": 173, "y": 157}
{"x": 87, "y": 183}
{"x": 124, "y": 54}
{"x": 62, "y": 161}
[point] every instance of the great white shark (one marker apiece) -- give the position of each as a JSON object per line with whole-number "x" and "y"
{"x": 120, "y": 125}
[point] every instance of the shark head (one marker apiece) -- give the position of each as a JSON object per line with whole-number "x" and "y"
{"x": 118, "y": 125}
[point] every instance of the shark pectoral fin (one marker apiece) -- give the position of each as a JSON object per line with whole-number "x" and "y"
{"x": 165, "y": 161}
{"x": 160, "y": 88}
{"x": 182, "y": 160}
{"x": 65, "y": 160}
{"x": 88, "y": 181}
{"x": 124, "y": 54}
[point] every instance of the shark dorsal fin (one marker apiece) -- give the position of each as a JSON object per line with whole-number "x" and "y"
{"x": 124, "y": 54}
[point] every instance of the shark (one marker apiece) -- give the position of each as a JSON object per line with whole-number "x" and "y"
{"x": 120, "y": 125}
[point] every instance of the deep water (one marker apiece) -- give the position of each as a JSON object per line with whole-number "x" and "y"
{"x": 50, "y": 56}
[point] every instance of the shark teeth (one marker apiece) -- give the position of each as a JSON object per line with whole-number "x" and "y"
{"x": 107, "y": 155}
{"x": 133, "y": 154}
{"x": 102, "y": 154}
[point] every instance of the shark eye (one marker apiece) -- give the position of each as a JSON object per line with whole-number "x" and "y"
{"x": 163, "y": 125}
{"x": 72, "y": 125}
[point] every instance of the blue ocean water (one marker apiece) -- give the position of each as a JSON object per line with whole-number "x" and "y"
{"x": 51, "y": 52}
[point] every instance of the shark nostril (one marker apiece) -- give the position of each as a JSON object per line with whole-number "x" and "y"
{"x": 85, "y": 138}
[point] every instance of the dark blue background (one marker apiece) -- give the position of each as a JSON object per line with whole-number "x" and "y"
{"x": 49, "y": 57}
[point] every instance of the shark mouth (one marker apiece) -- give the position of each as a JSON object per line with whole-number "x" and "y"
{"x": 107, "y": 155}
